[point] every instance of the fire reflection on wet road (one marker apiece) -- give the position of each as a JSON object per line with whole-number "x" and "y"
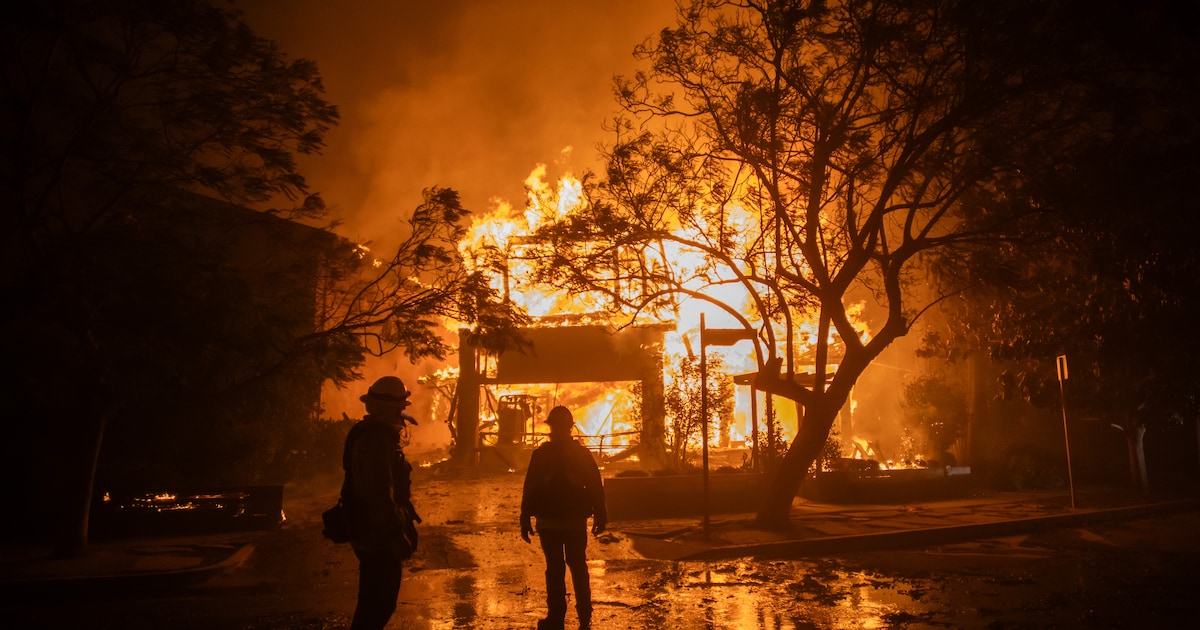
{"x": 835, "y": 593}
{"x": 473, "y": 571}
{"x": 1058, "y": 578}
{"x": 660, "y": 594}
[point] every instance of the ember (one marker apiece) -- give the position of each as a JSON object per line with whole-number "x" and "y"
{"x": 192, "y": 511}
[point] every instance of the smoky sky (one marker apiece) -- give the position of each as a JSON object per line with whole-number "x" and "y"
{"x": 470, "y": 95}
{"x": 467, "y": 94}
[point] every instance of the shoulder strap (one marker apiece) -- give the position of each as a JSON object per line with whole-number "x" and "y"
{"x": 348, "y": 479}
{"x": 359, "y": 428}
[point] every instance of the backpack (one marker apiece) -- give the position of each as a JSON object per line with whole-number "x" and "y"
{"x": 336, "y": 521}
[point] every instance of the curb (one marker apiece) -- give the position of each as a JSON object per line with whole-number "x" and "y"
{"x": 112, "y": 584}
{"x": 794, "y": 549}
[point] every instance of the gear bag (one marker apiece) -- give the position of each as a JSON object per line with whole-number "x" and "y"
{"x": 337, "y": 523}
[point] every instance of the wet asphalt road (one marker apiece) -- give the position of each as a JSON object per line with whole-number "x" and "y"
{"x": 473, "y": 571}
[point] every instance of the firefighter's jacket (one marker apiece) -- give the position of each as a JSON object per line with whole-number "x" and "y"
{"x": 378, "y": 487}
{"x": 563, "y": 487}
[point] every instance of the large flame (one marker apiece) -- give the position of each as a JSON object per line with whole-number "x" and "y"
{"x": 499, "y": 243}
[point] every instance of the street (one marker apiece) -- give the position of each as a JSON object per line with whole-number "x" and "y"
{"x": 473, "y": 571}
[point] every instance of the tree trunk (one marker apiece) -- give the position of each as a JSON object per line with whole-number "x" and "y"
{"x": 977, "y": 405}
{"x": 1137, "y": 456}
{"x": 652, "y": 443}
{"x": 785, "y": 483}
{"x": 1196, "y": 424}
{"x": 819, "y": 415}
{"x": 466, "y": 423}
{"x": 72, "y": 533}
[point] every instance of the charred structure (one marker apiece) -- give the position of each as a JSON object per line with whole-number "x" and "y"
{"x": 560, "y": 355}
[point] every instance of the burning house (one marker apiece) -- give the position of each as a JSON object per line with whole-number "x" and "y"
{"x": 564, "y": 355}
{"x": 626, "y": 375}
{"x": 613, "y": 371}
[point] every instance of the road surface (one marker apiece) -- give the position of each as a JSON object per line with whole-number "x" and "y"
{"x": 473, "y": 571}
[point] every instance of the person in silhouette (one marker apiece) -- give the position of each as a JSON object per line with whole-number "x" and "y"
{"x": 562, "y": 490}
{"x": 378, "y": 493}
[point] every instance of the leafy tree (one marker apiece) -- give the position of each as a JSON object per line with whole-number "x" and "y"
{"x": 816, "y": 155}
{"x": 111, "y": 109}
{"x": 1110, "y": 279}
{"x": 143, "y": 316}
{"x": 682, "y": 399}
{"x": 771, "y": 444}
{"x": 935, "y": 409}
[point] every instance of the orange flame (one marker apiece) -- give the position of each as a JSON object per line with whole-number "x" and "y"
{"x": 495, "y": 243}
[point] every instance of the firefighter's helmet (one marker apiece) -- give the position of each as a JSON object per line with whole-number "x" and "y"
{"x": 560, "y": 415}
{"x": 387, "y": 389}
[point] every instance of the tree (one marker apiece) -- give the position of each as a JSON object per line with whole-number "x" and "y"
{"x": 816, "y": 155}
{"x": 403, "y": 302}
{"x": 120, "y": 119}
{"x": 111, "y": 108}
{"x": 682, "y": 400}
{"x": 936, "y": 411}
{"x": 213, "y": 385}
{"x": 1110, "y": 277}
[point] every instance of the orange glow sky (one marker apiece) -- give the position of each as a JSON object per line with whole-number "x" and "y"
{"x": 468, "y": 94}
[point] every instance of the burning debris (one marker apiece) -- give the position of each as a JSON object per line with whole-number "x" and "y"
{"x": 173, "y": 512}
{"x": 612, "y": 366}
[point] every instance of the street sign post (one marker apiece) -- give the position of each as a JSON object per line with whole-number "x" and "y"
{"x": 1062, "y": 392}
{"x": 712, "y": 337}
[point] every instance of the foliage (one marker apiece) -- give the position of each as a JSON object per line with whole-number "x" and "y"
{"x": 177, "y": 330}
{"x": 831, "y": 452}
{"x": 771, "y": 445}
{"x": 685, "y": 421}
{"x": 313, "y": 450}
{"x": 1029, "y": 469}
{"x": 909, "y": 453}
{"x": 113, "y": 113}
{"x": 132, "y": 96}
{"x": 813, "y": 157}
{"x": 935, "y": 409}
{"x": 403, "y": 302}
{"x": 1110, "y": 276}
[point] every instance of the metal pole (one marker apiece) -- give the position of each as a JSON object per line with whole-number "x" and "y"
{"x": 1062, "y": 393}
{"x": 704, "y": 421}
{"x": 754, "y": 462}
